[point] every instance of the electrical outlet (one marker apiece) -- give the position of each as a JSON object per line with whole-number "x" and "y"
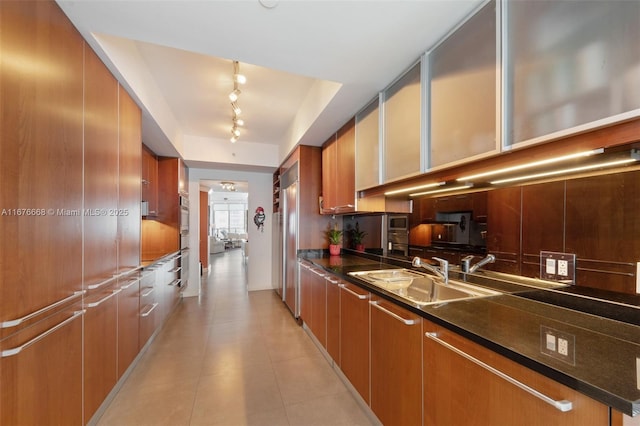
{"x": 558, "y": 344}
{"x": 563, "y": 268}
{"x": 563, "y": 346}
{"x": 559, "y": 267}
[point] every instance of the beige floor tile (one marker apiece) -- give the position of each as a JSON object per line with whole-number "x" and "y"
{"x": 305, "y": 378}
{"x": 236, "y": 394}
{"x": 232, "y": 358}
{"x": 337, "y": 410}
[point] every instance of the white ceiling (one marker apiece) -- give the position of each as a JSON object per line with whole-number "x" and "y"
{"x": 311, "y": 65}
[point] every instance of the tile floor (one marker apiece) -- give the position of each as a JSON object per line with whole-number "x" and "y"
{"x": 232, "y": 357}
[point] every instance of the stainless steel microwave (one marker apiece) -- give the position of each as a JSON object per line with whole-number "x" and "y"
{"x": 397, "y": 223}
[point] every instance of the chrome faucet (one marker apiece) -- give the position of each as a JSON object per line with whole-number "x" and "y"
{"x": 442, "y": 270}
{"x": 466, "y": 263}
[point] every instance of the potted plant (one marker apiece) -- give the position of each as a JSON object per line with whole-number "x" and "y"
{"x": 335, "y": 237}
{"x": 357, "y": 236}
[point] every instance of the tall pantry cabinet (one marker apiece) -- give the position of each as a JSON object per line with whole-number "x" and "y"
{"x": 67, "y": 155}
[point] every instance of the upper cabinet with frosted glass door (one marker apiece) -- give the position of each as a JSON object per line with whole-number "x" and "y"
{"x": 571, "y": 66}
{"x": 402, "y": 141}
{"x": 463, "y": 89}
{"x": 368, "y": 146}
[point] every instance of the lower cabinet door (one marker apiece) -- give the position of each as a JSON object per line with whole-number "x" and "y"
{"x": 396, "y": 364}
{"x": 128, "y": 324}
{"x": 465, "y": 383}
{"x": 41, "y": 372}
{"x": 354, "y": 337}
{"x": 100, "y": 347}
{"x": 333, "y": 318}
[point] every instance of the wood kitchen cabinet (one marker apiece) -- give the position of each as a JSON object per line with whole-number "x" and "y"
{"x": 313, "y": 297}
{"x": 403, "y": 123}
{"x": 457, "y": 390}
{"x": 101, "y": 158}
{"x": 41, "y": 159}
{"x": 148, "y": 307}
{"x": 319, "y": 307}
{"x": 338, "y": 171}
{"x": 367, "y": 155}
{"x": 129, "y": 183}
{"x": 463, "y": 92}
{"x": 100, "y": 340}
{"x": 396, "y": 364}
{"x": 42, "y": 380}
{"x": 150, "y": 180}
{"x": 354, "y": 337}
{"x": 333, "y": 317}
{"x": 128, "y": 323}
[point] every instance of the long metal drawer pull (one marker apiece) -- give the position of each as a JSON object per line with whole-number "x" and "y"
{"x": 332, "y": 281}
{"x": 177, "y": 269}
{"x": 13, "y": 323}
{"x": 15, "y": 351}
{"x": 148, "y": 292}
{"x": 396, "y": 316}
{"x": 175, "y": 282}
{"x": 562, "y": 405}
{"x": 359, "y": 296}
{"x": 104, "y": 299}
{"x": 318, "y": 273}
{"x": 103, "y": 282}
{"x": 146, "y": 314}
{"x": 130, "y": 283}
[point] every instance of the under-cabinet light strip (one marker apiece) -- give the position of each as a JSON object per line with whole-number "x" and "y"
{"x": 533, "y": 164}
{"x": 437, "y": 191}
{"x": 564, "y": 171}
{"x": 414, "y": 188}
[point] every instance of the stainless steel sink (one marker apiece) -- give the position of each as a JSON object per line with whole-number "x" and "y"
{"x": 419, "y": 288}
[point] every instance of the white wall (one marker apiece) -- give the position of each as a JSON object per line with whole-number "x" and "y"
{"x": 260, "y": 195}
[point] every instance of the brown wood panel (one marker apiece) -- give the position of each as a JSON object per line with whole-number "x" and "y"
{"x": 396, "y": 365}
{"x": 40, "y": 157}
{"x": 542, "y": 223}
{"x": 333, "y": 318}
{"x": 329, "y": 173}
{"x": 457, "y": 391}
{"x": 39, "y": 389}
{"x": 345, "y": 184}
{"x": 602, "y": 223}
{"x": 149, "y": 300}
{"x": 354, "y": 338}
{"x": 503, "y": 228}
{"x": 128, "y": 327}
{"x": 100, "y": 171}
{"x": 319, "y": 308}
{"x": 306, "y": 295}
{"x": 100, "y": 347}
{"x": 311, "y": 232}
{"x": 129, "y": 183}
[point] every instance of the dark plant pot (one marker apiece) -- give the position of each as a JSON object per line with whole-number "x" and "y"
{"x": 359, "y": 247}
{"x": 334, "y": 249}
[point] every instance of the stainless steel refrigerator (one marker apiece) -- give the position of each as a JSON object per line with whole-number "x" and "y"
{"x": 276, "y": 250}
{"x": 290, "y": 223}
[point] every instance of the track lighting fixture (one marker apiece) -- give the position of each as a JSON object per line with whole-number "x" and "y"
{"x": 233, "y": 97}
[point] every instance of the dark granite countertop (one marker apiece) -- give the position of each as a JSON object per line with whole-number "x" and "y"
{"x": 607, "y": 335}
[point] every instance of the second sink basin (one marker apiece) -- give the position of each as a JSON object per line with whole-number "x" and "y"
{"x": 421, "y": 289}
